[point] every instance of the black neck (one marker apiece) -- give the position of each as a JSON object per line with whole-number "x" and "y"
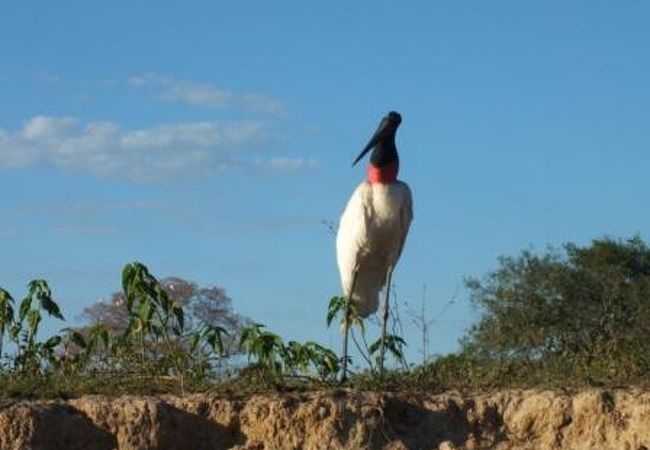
{"x": 384, "y": 153}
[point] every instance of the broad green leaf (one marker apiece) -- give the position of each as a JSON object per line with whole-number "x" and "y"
{"x": 336, "y": 306}
{"x": 194, "y": 342}
{"x": 52, "y": 342}
{"x": 25, "y": 305}
{"x": 51, "y": 307}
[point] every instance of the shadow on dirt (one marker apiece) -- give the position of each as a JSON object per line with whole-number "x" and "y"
{"x": 416, "y": 426}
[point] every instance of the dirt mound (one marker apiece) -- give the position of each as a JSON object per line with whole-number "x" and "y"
{"x": 540, "y": 420}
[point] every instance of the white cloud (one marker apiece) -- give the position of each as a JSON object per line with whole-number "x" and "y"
{"x": 285, "y": 164}
{"x": 89, "y": 211}
{"x": 46, "y": 76}
{"x": 106, "y": 82}
{"x": 46, "y": 128}
{"x": 205, "y": 95}
{"x": 197, "y": 95}
{"x": 263, "y": 104}
{"x": 85, "y": 230}
{"x": 160, "y": 152}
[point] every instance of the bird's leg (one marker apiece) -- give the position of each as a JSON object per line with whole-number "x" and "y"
{"x": 382, "y": 348}
{"x": 346, "y": 327}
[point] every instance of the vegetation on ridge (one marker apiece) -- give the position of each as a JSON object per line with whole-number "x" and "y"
{"x": 564, "y": 317}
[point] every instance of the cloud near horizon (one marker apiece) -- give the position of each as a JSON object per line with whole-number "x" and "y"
{"x": 161, "y": 152}
{"x": 205, "y": 95}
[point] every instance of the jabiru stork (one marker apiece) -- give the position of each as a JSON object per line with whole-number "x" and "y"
{"x": 373, "y": 229}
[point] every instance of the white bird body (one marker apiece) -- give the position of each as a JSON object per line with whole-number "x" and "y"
{"x": 370, "y": 239}
{"x": 372, "y": 232}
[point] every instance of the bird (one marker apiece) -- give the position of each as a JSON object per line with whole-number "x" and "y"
{"x": 374, "y": 225}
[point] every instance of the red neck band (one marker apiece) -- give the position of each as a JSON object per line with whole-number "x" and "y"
{"x": 386, "y": 174}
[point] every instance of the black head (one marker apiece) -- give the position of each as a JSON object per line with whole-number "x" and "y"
{"x": 384, "y": 136}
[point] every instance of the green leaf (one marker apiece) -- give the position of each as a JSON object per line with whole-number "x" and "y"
{"x": 5, "y": 297}
{"x": 52, "y": 342}
{"x": 33, "y": 320}
{"x": 6, "y": 310}
{"x": 179, "y": 314}
{"x": 128, "y": 276}
{"x": 162, "y": 298}
{"x": 99, "y": 332}
{"x": 212, "y": 335}
{"x": 25, "y": 305}
{"x": 145, "y": 311}
{"x": 51, "y": 307}
{"x": 394, "y": 344}
{"x": 249, "y": 334}
{"x": 78, "y": 339}
{"x": 194, "y": 342}
{"x": 336, "y": 305}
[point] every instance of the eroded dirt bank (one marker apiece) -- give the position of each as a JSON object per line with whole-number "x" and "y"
{"x": 593, "y": 419}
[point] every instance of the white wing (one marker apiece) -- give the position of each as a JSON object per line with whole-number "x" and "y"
{"x": 406, "y": 217}
{"x": 352, "y": 235}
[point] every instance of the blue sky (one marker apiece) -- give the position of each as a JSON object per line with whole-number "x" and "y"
{"x": 210, "y": 140}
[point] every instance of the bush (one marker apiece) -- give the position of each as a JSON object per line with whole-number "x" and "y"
{"x": 580, "y": 313}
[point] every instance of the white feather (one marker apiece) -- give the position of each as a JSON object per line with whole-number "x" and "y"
{"x": 370, "y": 239}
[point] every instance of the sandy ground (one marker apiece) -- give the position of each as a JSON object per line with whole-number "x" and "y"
{"x": 510, "y": 419}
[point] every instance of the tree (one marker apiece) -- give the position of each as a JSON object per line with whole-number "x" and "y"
{"x": 586, "y": 309}
{"x": 204, "y": 307}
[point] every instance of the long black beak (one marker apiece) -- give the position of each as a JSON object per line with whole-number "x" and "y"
{"x": 373, "y": 140}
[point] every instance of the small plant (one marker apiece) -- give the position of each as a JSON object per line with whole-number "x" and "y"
{"x": 336, "y": 308}
{"x": 276, "y": 360}
{"x": 311, "y": 354}
{"x": 266, "y": 348}
{"x": 31, "y": 354}
{"x": 394, "y": 344}
{"x": 153, "y": 318}
{"x": 207, "y": 342}
{"x": 6, "y": 317}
